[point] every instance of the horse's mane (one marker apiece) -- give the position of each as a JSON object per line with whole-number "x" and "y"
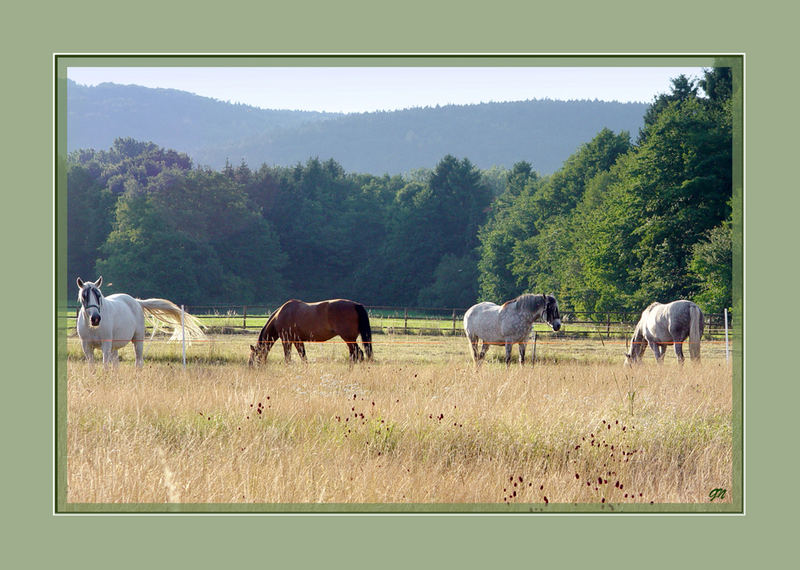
{"x": 527, "y": 301}
{"x": 637, "y": 340}
{"x": 263, "y": 336}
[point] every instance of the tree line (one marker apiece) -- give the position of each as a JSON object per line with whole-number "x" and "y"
{"x": 620, "y": 224}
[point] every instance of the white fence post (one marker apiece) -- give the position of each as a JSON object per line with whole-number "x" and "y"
{"x": 183, "y": 337}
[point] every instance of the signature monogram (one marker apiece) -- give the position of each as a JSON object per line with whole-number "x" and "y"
{"x": 717, "y": 494}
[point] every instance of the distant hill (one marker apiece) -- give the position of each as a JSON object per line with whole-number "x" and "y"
{"x": 542, "y": 132}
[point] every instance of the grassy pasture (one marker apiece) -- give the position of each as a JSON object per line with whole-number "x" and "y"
{"x": 420, "y": 424}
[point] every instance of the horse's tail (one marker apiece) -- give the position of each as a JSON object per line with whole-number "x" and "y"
{"x": 168, "y": 313}
{"x": 364, "y": 329}
{"x": 695, "y": 330}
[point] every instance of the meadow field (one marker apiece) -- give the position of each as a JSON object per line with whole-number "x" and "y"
{"x": 419, "y": 425}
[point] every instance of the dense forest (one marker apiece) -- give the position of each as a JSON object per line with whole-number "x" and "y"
{"x": 214, "y": 132}
{"x": 621, "y": 223}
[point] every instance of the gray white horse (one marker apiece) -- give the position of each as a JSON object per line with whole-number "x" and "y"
{"x": 665, "y": 324}
{"x": 509, "y": 323}
{"x": 109, "y": 323}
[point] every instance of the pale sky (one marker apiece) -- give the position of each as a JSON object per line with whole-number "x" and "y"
{"x": 366, "y": 89}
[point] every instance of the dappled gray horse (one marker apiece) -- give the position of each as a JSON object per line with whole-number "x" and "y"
{"x": 662, "y": 325}
{"x": 509, "y": 323}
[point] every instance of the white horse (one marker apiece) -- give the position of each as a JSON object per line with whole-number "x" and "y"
{"x": 109, "y": 323}
{"x": 508, "y": 324}
{"x": 662, "y": 325}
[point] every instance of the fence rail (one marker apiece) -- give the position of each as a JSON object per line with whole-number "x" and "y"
{"x": 240, "y": 318}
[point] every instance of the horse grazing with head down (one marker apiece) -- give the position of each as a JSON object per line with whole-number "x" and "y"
{"x": 662, "y": 325}
{"x": 109, "y": 323}
{"x": 296, "y": 322}
{"x": 508, "y": 324}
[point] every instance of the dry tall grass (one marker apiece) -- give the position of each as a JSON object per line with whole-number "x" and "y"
{"x": 399, "y": 430}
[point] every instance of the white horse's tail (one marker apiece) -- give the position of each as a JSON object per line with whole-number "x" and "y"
{"x": 168, "y": 313}
{"x": 695, "y": 330}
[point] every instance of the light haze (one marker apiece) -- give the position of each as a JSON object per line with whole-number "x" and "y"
{"x": 368, "y": 89}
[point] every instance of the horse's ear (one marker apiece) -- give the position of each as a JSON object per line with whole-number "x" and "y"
{"x": 80, "y": 283}
{"x": 99, "y": 281}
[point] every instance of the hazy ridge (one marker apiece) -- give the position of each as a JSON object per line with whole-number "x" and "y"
{"x": 542, "y": 132}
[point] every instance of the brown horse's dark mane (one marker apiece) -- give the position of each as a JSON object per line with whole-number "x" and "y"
{"x": 263, "y": 336}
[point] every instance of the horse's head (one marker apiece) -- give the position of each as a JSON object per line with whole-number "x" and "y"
{"x": 637, "y": 347}
{"x": 552, "y": 316}
{"x": 258, "y": 354}
{"x": 91, "y": 299}
{"x": 631, "y": 359}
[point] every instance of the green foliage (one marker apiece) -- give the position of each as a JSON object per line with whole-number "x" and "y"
{"x": 90, "y": 213}
{"x": 528, "y": 244}
{"x": 455, "y": 283}
{"x": 147, "y": 258}
{"x": 190, "y": 235}
{"x": 508, "y": 224}
{"x": 682, "y": 90}
{"x": 617, "y": 226}
{"x": 565, "y": 188}
{"x": 428, "y": 221}
{"x": 712, "y": 259}
{"x": 684, "y": 180}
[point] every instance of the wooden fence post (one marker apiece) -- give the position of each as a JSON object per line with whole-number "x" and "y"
{"x": 405, "y": 321}
{"x": 454, "y": 322}
{"x": 244, "y": 317}
{"x": 725, "y": 316}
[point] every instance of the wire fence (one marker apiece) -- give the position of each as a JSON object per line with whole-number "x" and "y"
{"x": 436, "y": 321}
{"x": 414, "y": 334}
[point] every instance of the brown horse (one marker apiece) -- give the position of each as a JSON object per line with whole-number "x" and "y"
{"x": 296, "y": 322}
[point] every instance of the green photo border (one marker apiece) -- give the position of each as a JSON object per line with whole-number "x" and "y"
{"x": 763, "y": 32}
{"x": 63, "y": 61}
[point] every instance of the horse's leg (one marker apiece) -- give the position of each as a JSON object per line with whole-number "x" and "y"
{"x": 352, "y": 348}
{"x": 522, "y": 352}
{"x": 484, "y": 348}
{"x": 105, "y": 347}
{"x": 508, "y": 353}
{"x": 88, "y": 351}
{"x": 679, "y": 351}
{"x": 287, "y": 350}
{"x": 138, "y": 348}
{"x": 473, "y": 343}
{"x": 301, "y": 350}
{"x": 656, "y": 350}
